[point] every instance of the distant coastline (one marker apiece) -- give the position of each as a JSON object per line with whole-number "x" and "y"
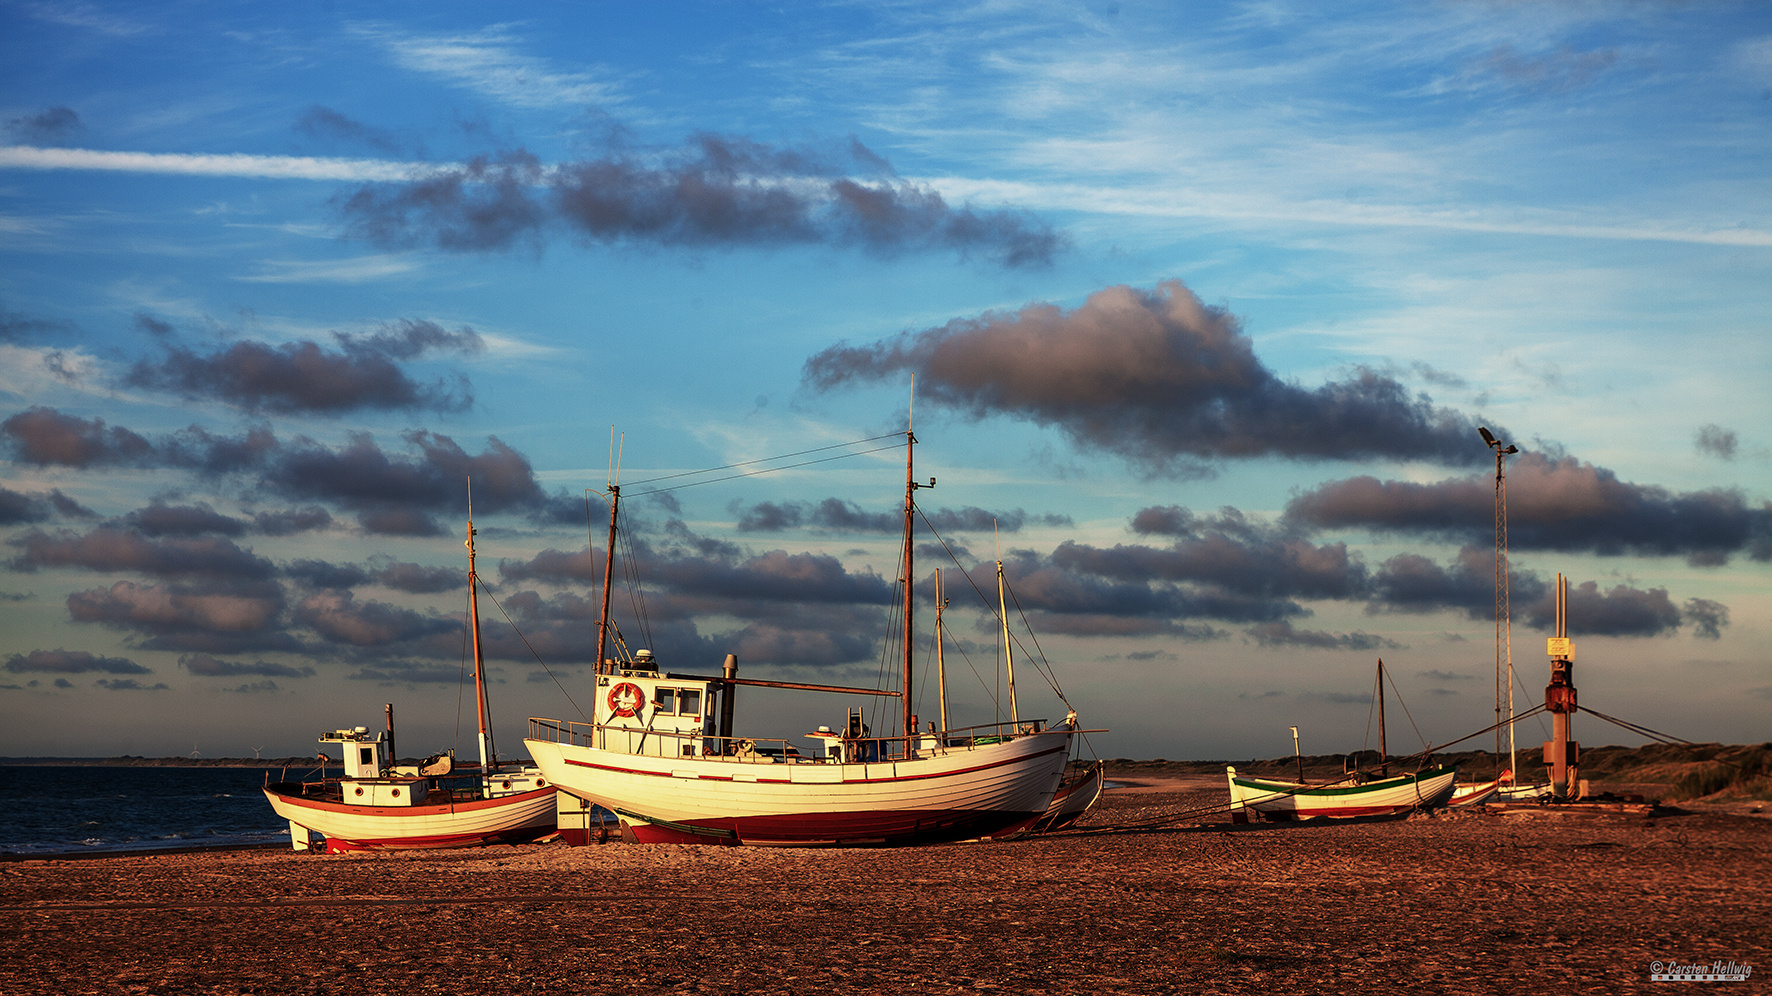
{"x": 132, "y": 761}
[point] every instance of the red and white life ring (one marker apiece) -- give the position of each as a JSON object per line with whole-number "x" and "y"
{"x": 626, "y": 699}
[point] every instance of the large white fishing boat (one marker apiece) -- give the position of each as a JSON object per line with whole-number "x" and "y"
{"x": 662, "y": 753}
{"x": 378, "y": 803}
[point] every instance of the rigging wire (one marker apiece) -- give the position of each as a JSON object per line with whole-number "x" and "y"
{"x": 532, "y": 651}
{"x": 1405, "y": 706}
{"x": 1665, "y": 738}
{"x": 1041, "y": 665}
{"x": 630, "y": 571}
{"x": 766, "y": 470}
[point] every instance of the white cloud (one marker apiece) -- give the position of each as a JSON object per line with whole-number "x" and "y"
{"x": 198, "y": 164}
{"x": 85, "y": 15}
{"x": 358, "y": 269}
{"x": 488, "y": 61}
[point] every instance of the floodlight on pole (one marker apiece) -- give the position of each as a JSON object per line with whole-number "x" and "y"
{"x": 1504, "y": 636}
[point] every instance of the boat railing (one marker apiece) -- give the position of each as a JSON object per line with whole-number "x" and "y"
{"x": 758, "y": 750}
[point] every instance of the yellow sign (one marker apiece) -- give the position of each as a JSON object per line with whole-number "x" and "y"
{"x": 1559, "y": 646}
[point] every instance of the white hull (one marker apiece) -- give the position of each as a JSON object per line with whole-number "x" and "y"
{"x": 945, "y": 793}
{"x": 1385, "y": 797}
{"x": 507, "y": 819}
{"x": 1473, "y": 794}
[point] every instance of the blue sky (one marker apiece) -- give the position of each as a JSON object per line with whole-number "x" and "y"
{"x": 1204, "y": 305}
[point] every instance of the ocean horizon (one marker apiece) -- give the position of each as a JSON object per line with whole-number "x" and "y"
{"x": 51, "y": 807}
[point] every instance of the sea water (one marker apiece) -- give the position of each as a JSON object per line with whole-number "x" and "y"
{"x": 66, "y": 809}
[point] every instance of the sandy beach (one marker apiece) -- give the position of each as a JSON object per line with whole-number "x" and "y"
{"x": 1529, "y": 901}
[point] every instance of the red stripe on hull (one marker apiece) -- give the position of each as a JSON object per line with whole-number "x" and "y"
{"x": 836, "y": 829}
{"x": 291, "y": 793}
{"x": 518, "y": 836}
{"x": 317, "y": 815}
{"x": 1346, "y": 812}
{"x": 1023, "y": 759}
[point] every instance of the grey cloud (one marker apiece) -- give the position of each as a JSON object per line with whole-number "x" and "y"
{"x": 70, "y": 662}
{"x": 397, "y": 495}
{"x": 1618, "y": 611}
{"x": 1227, "y": 551}
{"x": 50, "y": 126}
{"x": 229, "y": 619}
{"x": 22, "y": 328}
{"x": 421, "y": 580}
{"x": 1283, "y": 634}
{"x": 773, "y": 576}
{"x": 339, "y": 617}
{"x": 845, "y": 516}
{"x": 256, "y": 688}
{"x": 287, "y": 522}
{"x": 161, "y": 519}
{"x": 391, "y": 493}
{"x": 1409, "y": 582}
{"x": 1156, "y": 377}
{"x": 196, "y": 448}
{"x": 1068, "y": 585}
{"x": 325, "y": 123}
{"x": 208, "y": 666}
{"x": 17, "y": 508}
{"x": 363, "y": 372}
{"x": 111, "y": 549}
{"x": 44, "y": 436}
{"x": 717, "y": 191}
{"x": 1561, "y": 71}
{"x": 1707, "y": 617}
{"x": 130, "y": 685}
{"x": 408, "y": 673}
{"x": 1553, "y": 504}
{"x": 323, "y": 574}
{"x": 1716, "y": 441}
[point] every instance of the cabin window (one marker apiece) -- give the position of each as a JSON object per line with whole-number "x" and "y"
{"x": 366, "y": 755}
{"x": 690, "y": 700}
{"x": 665, "y": 701}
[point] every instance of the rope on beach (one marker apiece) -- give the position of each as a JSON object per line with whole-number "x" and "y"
{"x": 1157, "y": 822}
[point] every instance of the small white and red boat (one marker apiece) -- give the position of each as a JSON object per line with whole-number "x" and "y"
{"x": 1078, "y": 794}
{"x": 1282, "y": 800}
{"x": 660, "y": 753}
{"x": 1468, "y": 795}
{"x": 379, "y": 804}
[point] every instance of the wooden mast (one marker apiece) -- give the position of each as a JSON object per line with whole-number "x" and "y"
{"x": 488, "y": 752}
{"x": 910, "y": 511}
{"x": 608, "y": 576}
{"x": 608, "y": 555}
{"x": 1384, "y": 766}
{"x": 941, "y": 670}
{"x": 1008, "y": 650}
